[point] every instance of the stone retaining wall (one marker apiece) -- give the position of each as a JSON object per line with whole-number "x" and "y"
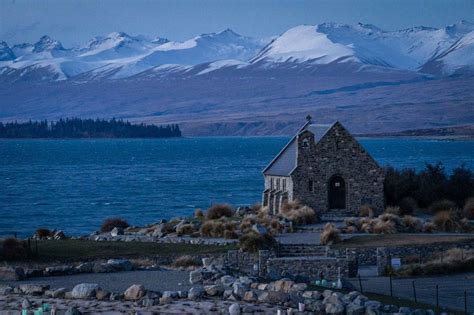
{"x": 310, "y": 268}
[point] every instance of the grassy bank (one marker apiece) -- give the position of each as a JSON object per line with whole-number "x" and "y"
{"x": 403, "y": 239}
{"x": 73, "y": 250}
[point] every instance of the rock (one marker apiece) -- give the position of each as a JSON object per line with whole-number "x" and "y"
{"x": 11, "y": 274}
{"x": 283, "y": 285}
{"x": 260, "y": 229}
{"x": 116, "y": 296}
{"x": 250, "y": 296}
{"x": 334, "y": 309}
{"x": 26, "y": 304}
{"x": 59, "y": 293}
{"x": 272, "y": 297}
{"x": 353, "y": 309}
{"x": 84, "y": 267}
{"x": 316, "y": 295}
{"x": 195, "y": 293}
{"x": 206, "y": 261}
{"x": 262, "y": 286}
{"x": 102, "y": 295}
{"x": 147, "y": 302}
{"x": 84, "y": 290}
{"x": 59, "y": 235}
{"x": 234, "y": 309}
{"x": 195, "y": 276}
{"x": 120, "y": 264}
{"x": 245, "y": 280}
{"x": 360, "y": 300}
{"x": 298, "y": 287}
{"x": 116, "y": 231}
{"x": 171, "y": 294}
{"x": 34, "y": 272}
{"x": 227, "y": 281}
{"x": 59, "y": 270}
{"x": 72, "y": 311}
{"x": 327, "y": 293}
{"x": 5, "y": 290}
{"x": 213, "y": 290}
{"x": 165, "y": 299}
{"x": 134, "y": 292}
{"x": 33, "y": 289}
{"x": 333, "y": 299}
{"x": 239, "y": 289}
{"x": 102, "y": 268}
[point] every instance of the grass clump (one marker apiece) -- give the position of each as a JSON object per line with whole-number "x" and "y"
{"x": 366, "y": 211}
{"x": 298, "y": 213}
{"x": 198, "y": 214}
{"x": 252, "y": 242}
{"x": 185, "y": 229}
{"x": 218, "y": 211}
{"x": 330, "y": 235}
{"x": 186, "y": 261}
{"x": 111, "y": 223}
{"x": 468, "y": 210}
{"x": 445, "y": 221}
{"x": 14, "y": 249}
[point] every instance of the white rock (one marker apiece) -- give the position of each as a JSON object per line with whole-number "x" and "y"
{"x": 84, "y": 290}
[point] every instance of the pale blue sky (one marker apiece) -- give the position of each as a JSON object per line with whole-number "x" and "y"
{"x": 76, "y": 21}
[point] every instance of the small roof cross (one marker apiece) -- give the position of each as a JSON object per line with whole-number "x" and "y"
{"x": 308, "y": 118}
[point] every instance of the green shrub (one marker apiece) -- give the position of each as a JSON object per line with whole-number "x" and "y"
{"x": 218, "y": 211}
{"x": 110, "y": 223}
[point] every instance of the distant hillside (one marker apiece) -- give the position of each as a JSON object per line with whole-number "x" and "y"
{"x": 458, "y": 132}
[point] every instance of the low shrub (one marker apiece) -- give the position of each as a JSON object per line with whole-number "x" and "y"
{"x": 297, "y": 213}
{"x": 442, "y": 205}
{"x": 43, "y": 233}
{"x": 212, "y": 228}
{"x": 468, "y": 210}
{"x": 429, "y": 227}
{"x": 230, "y": 235}
{"x": 110, "y": 223}
{"x": 407, "y": 206}
{"x": 252, "y": 242}
{"x": 186, "y": 261}
{"x": 384, "y": 227}
{"x": 247, "y": 223}
{"x": 185, "y": 229}
{"x": 198, "y": 214}
{"x": 392, "y": 210}
{"x": 366, "y": 211}
{"x": 412, "y": 224}
{"x": 14, "y": 249}
{"x": 218, "y": 211}
{"x": 444, "y": 221}
{"x": 330, "y": 235}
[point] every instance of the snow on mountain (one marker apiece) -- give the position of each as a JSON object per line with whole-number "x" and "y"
{"x": 5, "y": 52}
{"x": 119, "y": 55}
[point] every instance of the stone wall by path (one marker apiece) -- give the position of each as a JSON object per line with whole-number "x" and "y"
{"x": 310, "y": 268}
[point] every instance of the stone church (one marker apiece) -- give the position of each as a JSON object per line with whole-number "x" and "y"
{"x": 324, "y": 167}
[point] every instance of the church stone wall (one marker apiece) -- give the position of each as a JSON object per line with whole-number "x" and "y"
{"x": 337, "y": 153}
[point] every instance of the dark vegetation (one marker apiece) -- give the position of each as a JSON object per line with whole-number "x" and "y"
{"x": 82, "y": 250}
{"x": 86, "y": 128}
{"x": 111, "y": 223}
{"x": 219, "y": 210}
{"x": 252, "y": 242}
{"x": 409, "y": 189}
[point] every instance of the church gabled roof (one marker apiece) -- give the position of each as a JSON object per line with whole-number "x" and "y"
{"x": 285, "y": 162}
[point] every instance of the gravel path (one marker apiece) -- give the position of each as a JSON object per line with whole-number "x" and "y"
{"x": 157, "y": 280}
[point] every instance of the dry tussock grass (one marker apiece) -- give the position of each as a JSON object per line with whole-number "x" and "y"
{"x": 185, "y": 229}
{"x": 330, "y": 235}
{"x": 218, "y": 211}
{"x": 186, "y": 261}
{"x": 366, "y": 211}
{"x": 297, "y": 213}
{"x": 468, "y": 210}
{"x": 444, "y": 221}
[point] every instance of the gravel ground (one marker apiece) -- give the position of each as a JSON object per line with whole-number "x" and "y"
{"x": 159, "y": 280}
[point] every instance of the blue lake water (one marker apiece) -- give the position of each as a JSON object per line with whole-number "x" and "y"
{"x": 74, "y": 184}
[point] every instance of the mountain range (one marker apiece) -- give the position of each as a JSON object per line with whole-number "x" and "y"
{"x": 227, "y": 84}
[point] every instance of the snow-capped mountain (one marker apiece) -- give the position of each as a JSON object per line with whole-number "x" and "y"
{"x": 5, "y": 52}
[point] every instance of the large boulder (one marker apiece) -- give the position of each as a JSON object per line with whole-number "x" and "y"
{"x": 214, "y": 290}
{"x": 84, "y": 290}
{"x": 227, "y": 281}
{"x": 239, "y": 289}
{"x": 272, "y": 297}
{"x": 335, "y": 309}
{"x": 250, "y": 296}
{"x": 195, "y": 293}
{"x": 134, "y": 292}
{"x": 84, "y": 267}
{"x": 59, "y": 270}
{"x": 33, "y": 289}
{"x": 195, "y": 276}
{"x": 234, "y": 309}
{"x": 353, "y": 309}
{"x": 116, "y": 231}
{"x": 72, "y": 311}
{"x": 102, "y": 268}
{"x": 11, "y": 274}
{"x": 259, "y": 229}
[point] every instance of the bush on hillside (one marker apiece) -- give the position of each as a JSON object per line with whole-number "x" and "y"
{"x": 218, "y": 211}
{"x": 366, "y": 211}
{"x": 298, "y": 213}
{"x": 252, "y": 242}
{"x": 14, "y": 249}
{"x": 330, "y": 235}
{"x": 468, "y": 210}
{"x": 110, "y": 223}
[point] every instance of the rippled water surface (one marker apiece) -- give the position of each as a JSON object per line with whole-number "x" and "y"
{"x": 75, "y": 184}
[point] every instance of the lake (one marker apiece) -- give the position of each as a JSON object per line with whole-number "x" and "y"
{"x": 74, "y": 184}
